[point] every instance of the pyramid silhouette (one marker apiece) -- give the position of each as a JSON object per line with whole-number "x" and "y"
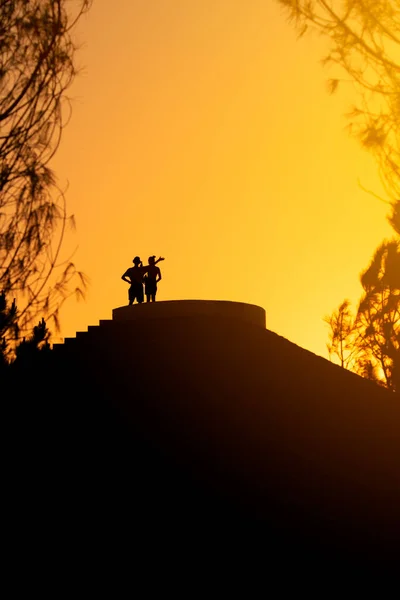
{"x": 266, "y": 430}
{"x": 184, "y": 417}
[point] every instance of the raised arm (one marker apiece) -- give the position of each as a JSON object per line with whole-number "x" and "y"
{"x": 158, "y": 260}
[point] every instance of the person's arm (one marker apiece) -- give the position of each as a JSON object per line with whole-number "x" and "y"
{"x": 125, "y": 277}
{"x": 159, "y": 275}
{"x": 158, "y": 260}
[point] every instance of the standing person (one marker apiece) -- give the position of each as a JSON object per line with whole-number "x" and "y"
{"x": 152, "y": 277}
{"x": 134, "y": 276}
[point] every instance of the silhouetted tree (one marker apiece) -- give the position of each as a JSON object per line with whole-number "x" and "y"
{"x": 378, "y": 316}
{"x": 8, "y": 325}
{"x": 369, "y": 343}
{"x": 36, "y": 68}
{"x": 342, "y": 335}
{"x": 28, "y": 348}
{"x": 364, "y": 42}
{"x": 21, "y": 351}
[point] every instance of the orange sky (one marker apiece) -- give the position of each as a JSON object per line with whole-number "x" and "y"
{"x": 203, "y": 131}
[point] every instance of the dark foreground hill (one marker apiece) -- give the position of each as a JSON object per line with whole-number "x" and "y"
{"x": 207, "y": 427}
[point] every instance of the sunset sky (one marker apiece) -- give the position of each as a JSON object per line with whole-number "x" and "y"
{"x": 203, "y": 131}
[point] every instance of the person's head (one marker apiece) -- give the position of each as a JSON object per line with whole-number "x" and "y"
{"x": 136, "y": 261}
{"x": 152, "y": 260}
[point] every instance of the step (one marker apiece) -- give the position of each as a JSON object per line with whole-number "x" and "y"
{"x": 81, "y": 334}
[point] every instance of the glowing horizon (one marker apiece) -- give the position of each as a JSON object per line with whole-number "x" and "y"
{"x": 205, "y": 134}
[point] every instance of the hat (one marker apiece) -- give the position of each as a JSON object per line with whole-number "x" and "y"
{"x": 136, "y": 260}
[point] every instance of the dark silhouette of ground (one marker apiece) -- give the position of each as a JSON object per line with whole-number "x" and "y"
{"x": 210, "y": 430}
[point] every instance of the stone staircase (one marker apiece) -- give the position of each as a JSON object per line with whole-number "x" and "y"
{"x": 229, "y": 395}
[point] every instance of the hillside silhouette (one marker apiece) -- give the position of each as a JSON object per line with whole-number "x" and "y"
{"x": 185, "y": 422}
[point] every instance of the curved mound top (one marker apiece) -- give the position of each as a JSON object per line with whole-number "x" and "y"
{"x": 250, "y": 313}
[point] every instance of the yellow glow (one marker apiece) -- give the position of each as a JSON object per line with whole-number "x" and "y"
{"x": 203, "y": 131}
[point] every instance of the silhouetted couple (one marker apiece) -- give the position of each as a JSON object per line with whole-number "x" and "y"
{"x": 138, "y": 275}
